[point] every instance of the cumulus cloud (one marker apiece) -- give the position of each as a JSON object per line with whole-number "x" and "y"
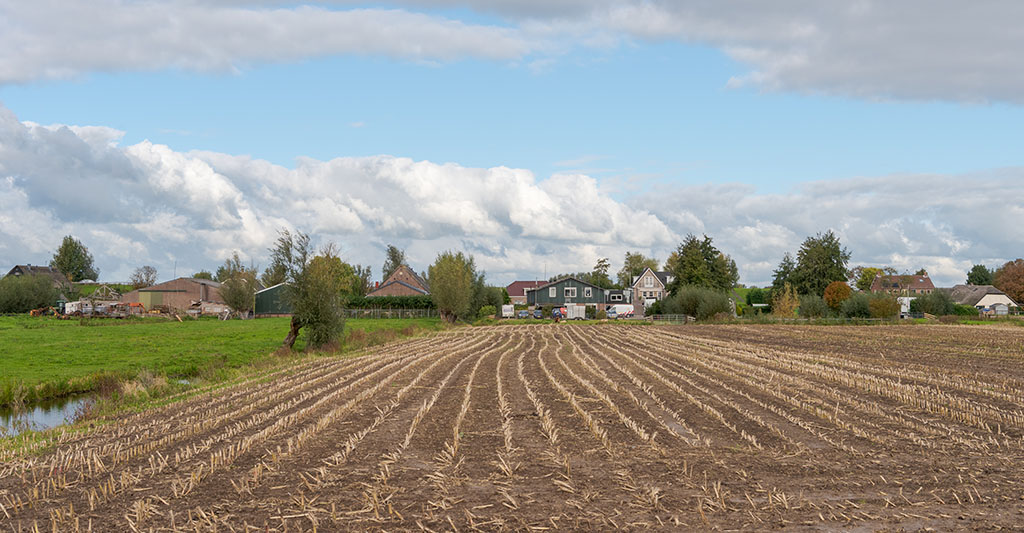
{"x": 917, "y": 49}
{"x": 145, "y": 203}
{"x": 148, "y": 204}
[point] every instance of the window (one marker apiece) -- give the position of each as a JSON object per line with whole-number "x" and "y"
{"x": 616, "y": 297}
{"x": 552, "y": 292}
{"x": 648, "y": 281}
{"x": 587, "y": 292}
{"x": 570, "y": 292}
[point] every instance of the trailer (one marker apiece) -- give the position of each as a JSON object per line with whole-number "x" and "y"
{"x": 508, "y": 311}
{"x": 575, "y": 312}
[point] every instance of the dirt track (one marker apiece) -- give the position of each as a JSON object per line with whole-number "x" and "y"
{"x": 571, "y": 427}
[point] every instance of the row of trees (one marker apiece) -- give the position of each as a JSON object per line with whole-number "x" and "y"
{"x": 318, "y": 283}
{"x": 1008, "y": 278}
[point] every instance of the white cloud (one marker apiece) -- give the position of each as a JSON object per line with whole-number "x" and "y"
{"x": 54, "y": 39}
{"x": 873, "y": 49}
{"x": 147, "y": 204}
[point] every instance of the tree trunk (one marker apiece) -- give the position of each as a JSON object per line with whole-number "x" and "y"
{"x": 293, "y": 333}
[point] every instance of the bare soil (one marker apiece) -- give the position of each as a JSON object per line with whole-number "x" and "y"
{"x": 795, "y": 428}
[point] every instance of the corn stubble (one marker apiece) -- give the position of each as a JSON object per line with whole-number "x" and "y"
{"x": 563, "y": 427}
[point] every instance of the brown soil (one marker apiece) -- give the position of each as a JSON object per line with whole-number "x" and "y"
{"x": 603, "y": 427}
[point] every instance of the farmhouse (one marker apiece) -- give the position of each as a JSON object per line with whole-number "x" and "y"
{"x": 982, "y": 297}
{"x": 649, "y": 287}
{"x": 181, "y": 294}
{"x": 517, "y": 290}
{"x": 402, "y": 282}
{"x": 903, "y": 285}
{"x": 59, "y": 279}
{"x": 567, "y": 291}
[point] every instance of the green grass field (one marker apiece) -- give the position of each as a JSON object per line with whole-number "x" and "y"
{"x": 46, "y": 357}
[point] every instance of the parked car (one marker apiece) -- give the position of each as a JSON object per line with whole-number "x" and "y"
{"x": 537, "y": 313}
{"x": 612, "y": 314}
{"x": 524, "y": 314}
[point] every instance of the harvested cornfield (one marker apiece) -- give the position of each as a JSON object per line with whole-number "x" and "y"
{"x": 569, "y": 427}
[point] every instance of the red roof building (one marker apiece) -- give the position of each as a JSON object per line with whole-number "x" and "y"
{"x": 517, "y": 290}
{"x": 903, "y": 285}
{"x": 402, "y": 282}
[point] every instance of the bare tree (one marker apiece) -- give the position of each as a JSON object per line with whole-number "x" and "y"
{"x": 144, "y": 276}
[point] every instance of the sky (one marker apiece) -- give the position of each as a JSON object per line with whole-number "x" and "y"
{"x": 538, "y": 136}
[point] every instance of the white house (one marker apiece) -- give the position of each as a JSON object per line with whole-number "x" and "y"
{"x": 982, "y": 297}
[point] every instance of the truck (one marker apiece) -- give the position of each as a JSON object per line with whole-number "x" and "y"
{"x": 575, "y": 312}
{"x": 508, "y": 311}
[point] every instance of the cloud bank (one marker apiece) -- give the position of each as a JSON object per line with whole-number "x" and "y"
{"x": 916, "y": 50}
{"x": 148, "y": 204}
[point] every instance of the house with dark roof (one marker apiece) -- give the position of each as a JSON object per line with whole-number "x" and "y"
{"x": 517, "y": 290}
{"x": 649, "y": 287}
{"x": 568, "y": 290}
{"x": 59, "y": 279}
{"x": 981, "y": 296}
{"x": 402, "y": 282}
{"x": 903, "y": 285}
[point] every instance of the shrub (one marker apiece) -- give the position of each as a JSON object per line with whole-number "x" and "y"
{"x": 949, "y": 319}
{"x": 21, "y": 294}
{"x": 836, "y": 293}
{"x": 884, "y": 306}
{"x": 699, "y": 302}
{"x": 934, "y": 303}
{"x": 812, "y": 306}
{"x": 758, "y": 296}
{"x": 390, "y": 302}
{"x": 965, "y": 310}
{"x": 856, "y": 306}
{"x": 655, "y": 309}
{"x": 601, "y": 315}
{"x": 487, "y": 311}
{"x": 785, "y": 302}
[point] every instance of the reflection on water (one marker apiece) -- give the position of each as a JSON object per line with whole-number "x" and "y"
{"x": 41, "y": 415}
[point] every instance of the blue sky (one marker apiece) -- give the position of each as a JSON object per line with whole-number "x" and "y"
{"x": 672, "y": 117}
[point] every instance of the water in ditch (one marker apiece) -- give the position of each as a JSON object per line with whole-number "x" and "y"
{"x": 42, "y": 415}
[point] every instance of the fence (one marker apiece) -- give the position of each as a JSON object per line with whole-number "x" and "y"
{"x": 391, "y": 313}
{"x": 768, "y": 319}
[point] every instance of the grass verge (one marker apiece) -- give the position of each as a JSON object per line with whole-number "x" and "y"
{"x": 43, "y": 357}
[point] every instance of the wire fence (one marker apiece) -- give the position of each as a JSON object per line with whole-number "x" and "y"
{"x": 391, "y": 313}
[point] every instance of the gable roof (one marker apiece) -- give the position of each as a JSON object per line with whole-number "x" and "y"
{"x": 901, "y": 282}
{"x": 36, "y": 270}
{"x": 972, "y": 294}
{"x": 574, "y": 278}
{"x": 664, "y": 276}
{"x": 272, "y": 287}
{"x": 423, "y": 287}
{"x": 518, "y": 288}
{"x": 398, "y": 282}
{"x": 198, "y": 281}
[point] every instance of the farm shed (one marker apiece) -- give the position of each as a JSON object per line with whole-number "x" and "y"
{"x": 271, "y": 302}
{"x": 181, "y": 294}
{"x": 567, "y": 291}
